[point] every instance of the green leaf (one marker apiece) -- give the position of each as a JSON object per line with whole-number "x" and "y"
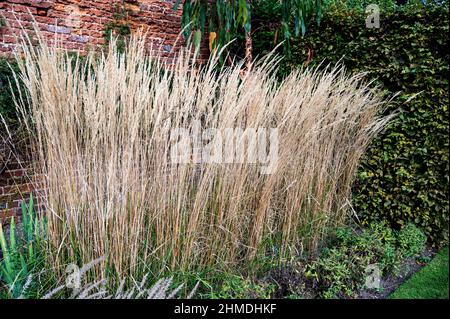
{"x": 197, "y": 39}
{"x": 8, "y": 267}
{"x": 177, "y": 3}
{"x": 24, "y": 215}
{"x": 12, "y": 236}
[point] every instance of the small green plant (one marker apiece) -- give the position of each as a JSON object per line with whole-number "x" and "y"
{"x": 20, "y": 252}
{"x": 379, "y": 240}
{"x": 423, "y": 260}
{"x": 337, "y": 272}
{"x": 294, "y": 296}
{"x": 238, "y": 287}
{"x": 340, "y": 270}
{"x": 381, "y": 233}
{"x": 345, "y": 235}
{"x": 411, "y": 240}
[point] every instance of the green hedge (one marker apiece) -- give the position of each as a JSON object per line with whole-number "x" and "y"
{"x": 7, "y": 108}
{"x": 404, "y": 175}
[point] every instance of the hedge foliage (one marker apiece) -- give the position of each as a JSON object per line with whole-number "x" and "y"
{"x": 7, "y": 109}
{"x": 404, "y": 176}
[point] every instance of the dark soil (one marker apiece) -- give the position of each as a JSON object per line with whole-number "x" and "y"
{"x": 292, "y": 281}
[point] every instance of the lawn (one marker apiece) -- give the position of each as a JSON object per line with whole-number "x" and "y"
{"x": 431, "y": 282}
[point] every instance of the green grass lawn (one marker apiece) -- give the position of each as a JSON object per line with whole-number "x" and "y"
{"x": 431, "y": 282}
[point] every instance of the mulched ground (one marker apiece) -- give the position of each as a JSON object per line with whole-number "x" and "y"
{"x": 289, "y": 280}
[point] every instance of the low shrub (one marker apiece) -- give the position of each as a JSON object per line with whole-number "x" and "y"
{"x": 239, "y": 287}
{"x": 411, "y": 240}
{"x": 342, "y": 268}
{"x": 338, "y": 272}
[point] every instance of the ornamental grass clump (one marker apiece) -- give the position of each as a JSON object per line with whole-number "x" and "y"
{"x": 103, "y": 134}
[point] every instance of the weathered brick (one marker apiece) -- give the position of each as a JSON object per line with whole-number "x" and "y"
{"x": 58, "y": 29}
{"x": 6, "y": 214}
{"x": 79, "y": 38}
{"x": 15, "y": 172}
{"x": 85, "y": 21}
{"x": 80, "y": 26}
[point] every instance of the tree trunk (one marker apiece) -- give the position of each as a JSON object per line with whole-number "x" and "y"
{"x": 248, "y": 44}
{"x": 248, "y": 50}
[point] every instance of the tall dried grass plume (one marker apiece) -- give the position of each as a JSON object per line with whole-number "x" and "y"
{"x": 101, "y": 134}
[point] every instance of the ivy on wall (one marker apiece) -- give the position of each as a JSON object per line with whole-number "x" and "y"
{"x": 119, "y": 27}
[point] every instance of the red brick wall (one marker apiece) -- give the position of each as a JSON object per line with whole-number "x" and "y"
{"x": 16, "y": 185}
{"x": 80, "y": 24}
